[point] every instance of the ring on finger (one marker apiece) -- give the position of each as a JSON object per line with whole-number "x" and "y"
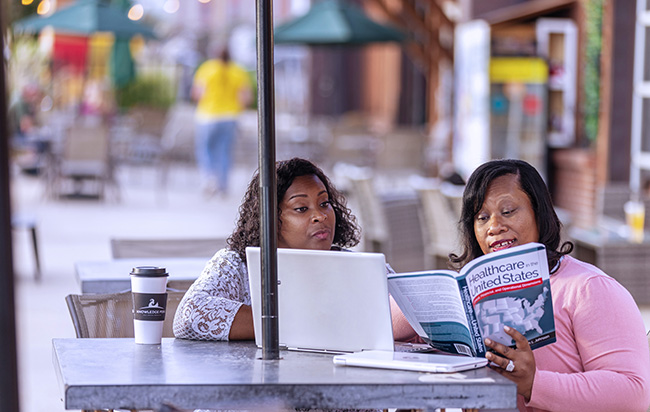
{"x": 511, "y": 366}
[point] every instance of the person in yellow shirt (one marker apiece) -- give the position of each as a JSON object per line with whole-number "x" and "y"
{"x": 222, "y": 89}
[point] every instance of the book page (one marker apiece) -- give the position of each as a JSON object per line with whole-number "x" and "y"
{"x": 512, "y": 287}
{"x": 431, "y": 303}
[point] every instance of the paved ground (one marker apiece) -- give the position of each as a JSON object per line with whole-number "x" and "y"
{"x": 74, "y": 230}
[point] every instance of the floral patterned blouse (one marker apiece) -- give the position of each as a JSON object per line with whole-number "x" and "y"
{"x": 209, "y": 306}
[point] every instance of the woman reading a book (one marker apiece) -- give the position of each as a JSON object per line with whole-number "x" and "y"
{"x": 312, "y": 215}
{"x": 600, "y": 361}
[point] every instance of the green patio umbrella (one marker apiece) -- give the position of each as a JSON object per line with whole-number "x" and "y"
{"x": 331, "y": 22}
{"x": 86, "y": 17}
{"x": 122, "y": 65}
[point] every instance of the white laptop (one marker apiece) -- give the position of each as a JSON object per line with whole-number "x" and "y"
{"x": 422, "y": 362}
{"x": 328, "y": 301}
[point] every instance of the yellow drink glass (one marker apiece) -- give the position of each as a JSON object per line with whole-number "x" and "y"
{"x": 635, "y": 218}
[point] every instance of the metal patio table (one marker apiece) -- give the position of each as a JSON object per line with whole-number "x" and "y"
{"x": 118, "y": 374}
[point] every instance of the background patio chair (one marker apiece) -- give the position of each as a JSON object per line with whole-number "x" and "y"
{"x": 84, "y": 163}
{"x": 610, "y": 202}
{"x": 439, "y": 222}
{"x": 177, "y": 144}
{"x": 405, "y": 247}
{"x": 358, "y": 184}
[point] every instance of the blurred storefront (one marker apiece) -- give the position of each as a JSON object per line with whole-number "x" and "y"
{"x": 518, "y": 101}
{"x": 394, "y": 87}
{"x": 443, "y": 91}
{"x": 588, "y": 101}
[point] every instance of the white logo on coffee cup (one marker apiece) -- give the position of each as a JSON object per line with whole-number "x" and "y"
{"x": 149, "y": 306}
{"x": 152, "y": 304}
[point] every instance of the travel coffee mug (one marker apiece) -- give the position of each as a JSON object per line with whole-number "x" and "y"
{"x": 148, "y": 287}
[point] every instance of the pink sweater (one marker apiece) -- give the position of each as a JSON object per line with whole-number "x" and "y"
{"x": 600, "y": 361}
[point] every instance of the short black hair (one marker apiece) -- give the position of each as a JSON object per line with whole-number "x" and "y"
{"x": 247, "y": 230}
{"x": 530, "y": 181}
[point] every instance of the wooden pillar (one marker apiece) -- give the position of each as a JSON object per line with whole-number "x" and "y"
{"x": 434, "y": 73}
{"x": 381, "y": 67}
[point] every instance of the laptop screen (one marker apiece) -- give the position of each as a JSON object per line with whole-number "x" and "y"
{"x": 327, "y": 300}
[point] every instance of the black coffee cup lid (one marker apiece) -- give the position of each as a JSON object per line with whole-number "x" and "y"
{"x": 149, "y": 271}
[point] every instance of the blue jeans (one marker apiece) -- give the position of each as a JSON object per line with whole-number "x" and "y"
{"x": 214, "y": 142}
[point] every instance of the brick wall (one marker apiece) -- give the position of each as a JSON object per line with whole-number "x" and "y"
{"x": 574, "y": 187}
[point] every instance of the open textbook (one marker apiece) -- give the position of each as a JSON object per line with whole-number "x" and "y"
{"x": 454, "y": 312}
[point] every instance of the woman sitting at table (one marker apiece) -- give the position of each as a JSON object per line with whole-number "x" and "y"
{"x": 312, "y": 214}
{"x": 600, "y": 361}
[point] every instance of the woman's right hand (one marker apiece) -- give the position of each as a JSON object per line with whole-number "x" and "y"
{"x": 522, "y": 360}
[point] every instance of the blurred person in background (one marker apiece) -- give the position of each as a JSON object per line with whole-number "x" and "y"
{"x": 23, "y": 127}
{"x": 222, "y": 89}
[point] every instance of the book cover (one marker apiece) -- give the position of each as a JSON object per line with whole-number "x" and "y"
{"x": 455, "y": 312}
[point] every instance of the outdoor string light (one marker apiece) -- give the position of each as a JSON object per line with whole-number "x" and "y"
{"x": 171, "y": 6}
{"x": 43, "y": 7}
{"x": 136, "y": 12}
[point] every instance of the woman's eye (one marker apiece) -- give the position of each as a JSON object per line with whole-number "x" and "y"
{"x": 481, "y": 218}
{"x": 301, "y": 209}
{"x": 509, "y": 211}
{"x": 326, "y": 203}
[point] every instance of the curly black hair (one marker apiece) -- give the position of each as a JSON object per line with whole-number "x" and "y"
{"x": 247, "y": 231}
{"x": 548, "y": 224}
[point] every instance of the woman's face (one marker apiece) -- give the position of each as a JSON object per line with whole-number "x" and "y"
{"x": 307, "y": 217}
{"x": 506, "y": 218}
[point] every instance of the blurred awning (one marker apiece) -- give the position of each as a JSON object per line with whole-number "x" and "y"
{"x": 332, "y": 22}
{"x": 86, "y": 17}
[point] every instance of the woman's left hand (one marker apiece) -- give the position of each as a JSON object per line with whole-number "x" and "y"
{"x": 518, "y": 364}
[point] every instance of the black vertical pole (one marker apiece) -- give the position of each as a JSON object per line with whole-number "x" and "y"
{"x": 8, "y": 361}
{"x": 268, "y": 189}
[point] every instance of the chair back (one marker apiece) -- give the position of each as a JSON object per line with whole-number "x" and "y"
{"x": 178, "y": 132}
{"x": 405, "y": 249}
{"x": 85, "y": 159}
{"x": 86, "y": 150}
{"x": 149, "y": 120}
{"x": 140, "y": 248}
{"x": 439, "y": 221}
{"x": 111, "y": 315}
{"x": 371, "y": 214}
{"x": 611, "y": 198}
